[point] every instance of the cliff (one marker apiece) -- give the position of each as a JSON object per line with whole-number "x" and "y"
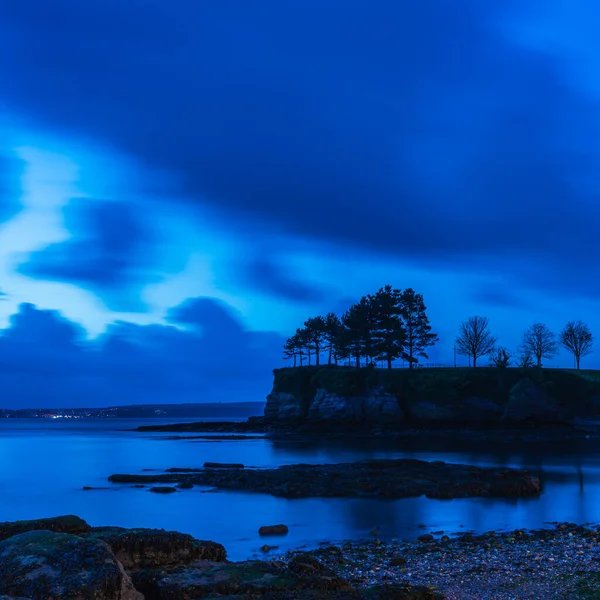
{"x": 381, "y": 398}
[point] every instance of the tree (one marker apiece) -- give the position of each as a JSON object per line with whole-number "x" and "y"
{"x": 500, "y": 357}
{"x": 416, "y": 325}
{"x": 290, "y": 349}
{"x": 540, "y": 342}
{"x": 475, "y": 339}
{"x": 316, "y": 328}
{"x": 333, "y": 326}
{"x": 357, "y": 331}
{"x": 577, "y": 338}
{"x": 525, "y": 360}
{"x": 388, "y": 332}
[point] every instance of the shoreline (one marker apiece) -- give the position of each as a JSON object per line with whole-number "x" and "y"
{"x": 554, "y": 563}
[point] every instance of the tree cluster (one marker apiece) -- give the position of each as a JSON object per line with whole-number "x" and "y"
{"x": 388, "y": 325}
{"x": 475, "y": 340}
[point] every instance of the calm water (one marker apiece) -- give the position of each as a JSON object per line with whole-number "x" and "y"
{"x": 44, "y": 464}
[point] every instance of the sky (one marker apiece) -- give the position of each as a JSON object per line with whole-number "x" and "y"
{"x": 183, "y": 183}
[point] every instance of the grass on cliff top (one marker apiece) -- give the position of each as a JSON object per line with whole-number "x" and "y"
{"x": 439, "y": 385}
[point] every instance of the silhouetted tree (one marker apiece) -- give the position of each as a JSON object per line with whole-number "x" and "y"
{"x": 500, "y": 357}
{"x": 475, "y": 339}
{"x": 416, "y": 326}
{"x": 357, "y": 331}
{"x": 577, "y": 338}
{"x": 540, "y": 342}
{"x": 525, "y": 360}
{"x": 290, "y": 349}
{"x": 333, "y": 327}
{"x": 316, "y": 329}
{"x": 387, "y": 331}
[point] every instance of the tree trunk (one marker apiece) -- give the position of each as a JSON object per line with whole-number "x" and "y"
{"x": 474, "y": 361}
{"x": 330, "y": 353}
{"x": 309, "y": 355}
{"x": 301, "y": 359}
{"x": 317, "y": 354}
{"x": 294, "y": 361}
{"x": 389, "y": 362}
{"x": 578, "y": 358}
{"x": 539, "y": 361}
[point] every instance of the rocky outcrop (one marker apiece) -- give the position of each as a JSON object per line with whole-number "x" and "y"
{"x": 43, "y": 564}
{"x": 283, "y": 407}
{"x": 400, "y": 478}
{"x": 63, "y": 524}
{"x": 473, "y": 409}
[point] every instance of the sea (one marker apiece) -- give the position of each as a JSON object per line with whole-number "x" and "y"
{"x": 44, "y": 464}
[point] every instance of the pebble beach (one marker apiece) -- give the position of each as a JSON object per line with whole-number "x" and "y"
{"x": 562, "y": 562}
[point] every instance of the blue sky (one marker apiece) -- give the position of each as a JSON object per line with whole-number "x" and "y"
{"x": 267, "y": 162}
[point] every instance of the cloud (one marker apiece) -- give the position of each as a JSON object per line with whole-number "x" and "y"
{"x": 10, "y": 171}
{"x": 46, "y": 360}
{"x": 498, "y": 296}
{"x": 422, "y": 130}
{"x": 110, "y": 251}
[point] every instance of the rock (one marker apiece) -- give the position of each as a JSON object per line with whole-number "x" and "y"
{"x": 530, "y": 400}
{"x": 426, "y": 537}
{"x": 215, "y": 465}
{"x": 283, "y": 407}
{"x": 328, "y": 406}
{"x": 145, "y": 548}
{"x": 43, "y": 564}
{"x": 304, "y": 578}
{"x": 382, "y": 409}
{"x": 480, "y": 409}
{"x": 62, "y": 524}
{"x": 402, "y": 592}
{"x": 273, "y": 530}
{"x": 397, "y": 561}
{"x": 162, "y": 489}
{"x": 185, "y": 485}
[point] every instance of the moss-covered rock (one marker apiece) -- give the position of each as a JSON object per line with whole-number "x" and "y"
{"x": 43, "y": 564}
{"x": 143, "y": 548}
{"x": 62, "y": 524}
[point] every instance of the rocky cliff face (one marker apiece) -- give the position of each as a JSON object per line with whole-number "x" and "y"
{"x": 387, "y": 399}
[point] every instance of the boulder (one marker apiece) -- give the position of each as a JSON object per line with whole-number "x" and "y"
{"x": 251, "y": 579}
{"x": 481, "y": 409}
{"x": 63, "y": 524}
{"x": 215, "y": 465}
{"x": 162, "y": 489}
{"x": 144, "y": 548}
{"x": 273, "y": 530}
{"x": 43, "y": 564}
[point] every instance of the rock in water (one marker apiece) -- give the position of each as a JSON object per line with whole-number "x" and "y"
{"x": 41, "y": 564}
{"x": 273, "y": 530}
{"x": 63, "y": 524}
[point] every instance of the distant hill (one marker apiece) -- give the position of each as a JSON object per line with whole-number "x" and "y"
{"x": 209, "y": 410}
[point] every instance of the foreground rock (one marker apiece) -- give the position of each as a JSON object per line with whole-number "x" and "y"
{"x": 44, "y": 564}
{"x": 143, "y": 548}
{"x": 252, "y": 425}
{"x": 399, "y": 478}
{"x": 113, "y": 563}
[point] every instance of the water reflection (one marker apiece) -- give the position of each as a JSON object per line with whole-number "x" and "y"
{"x": 44, "y": 465}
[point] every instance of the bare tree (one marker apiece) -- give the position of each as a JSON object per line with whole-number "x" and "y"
{"x": 500, "y": 357}
{"x": 577, "y": 338}
{"x": 525, "y": 359}
{"x": 540, "y": 342}
{"x": 475, "y": 339}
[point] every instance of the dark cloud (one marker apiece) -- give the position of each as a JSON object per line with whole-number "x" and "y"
{"x": 110, "y": 251}
{"x": 495, "y": 295}
{"x": 46, "y": 360}
{"x": 270, "y": 276}
{"x": 413, "y": 128}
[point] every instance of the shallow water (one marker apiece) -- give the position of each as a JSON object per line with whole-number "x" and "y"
{"x": 45, "y": 463}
